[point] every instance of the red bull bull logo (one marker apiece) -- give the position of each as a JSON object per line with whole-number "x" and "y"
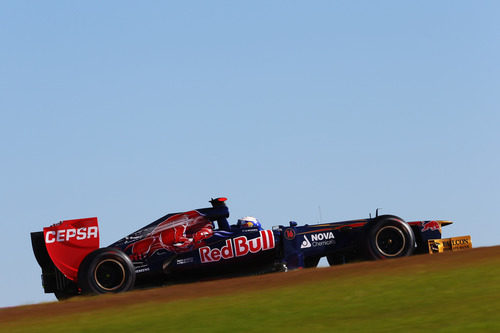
{"x": 430, "y": 225}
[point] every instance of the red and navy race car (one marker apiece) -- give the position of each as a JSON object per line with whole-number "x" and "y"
{"x": 199, "y": 243}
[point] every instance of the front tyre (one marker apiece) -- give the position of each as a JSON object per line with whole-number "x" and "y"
{"x": 106, "y": 270}
{"x": 390, "y": 237}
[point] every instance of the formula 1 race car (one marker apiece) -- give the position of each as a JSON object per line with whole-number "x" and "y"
{"x": 201, "y": 243}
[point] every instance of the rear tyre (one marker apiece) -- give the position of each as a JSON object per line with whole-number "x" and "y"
{"x": 106, "y": 270}
{"x": 390, "y": 237}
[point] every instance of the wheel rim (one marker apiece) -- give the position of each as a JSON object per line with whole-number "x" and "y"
{"x": 390, "y": 241}
{"x": 109, "y": 274}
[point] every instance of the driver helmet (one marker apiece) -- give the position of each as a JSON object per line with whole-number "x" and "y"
{"x": 249, "y": 222}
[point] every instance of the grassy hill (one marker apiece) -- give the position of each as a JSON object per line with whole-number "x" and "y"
{"x": 449, "y": 292}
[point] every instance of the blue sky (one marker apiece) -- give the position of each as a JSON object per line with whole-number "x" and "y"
{"x": 127, "y": 111}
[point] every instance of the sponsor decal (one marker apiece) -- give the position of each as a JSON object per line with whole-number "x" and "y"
{"x": 289, "y": 234}
{"x": 449, "y": 244}
{"x": 319, "y": 239}
{"x": 65, "y": 235}
{"x": 430, "y": 225}
{"x": 322, "y": 236}
{"x": 185, "y": 261}
{"x": 249, "y": 230}
{"x": 238, "y": 247}
{"x": 305, "y": 243}
{"x": 459, "y": 242}
{"x": 142, "y": 270}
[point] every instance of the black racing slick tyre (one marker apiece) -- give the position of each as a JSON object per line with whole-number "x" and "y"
{"x": 106, "y": 270}
{"x": 389, "y": 237}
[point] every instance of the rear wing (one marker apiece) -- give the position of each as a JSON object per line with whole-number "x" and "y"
{"x": 60, "y": 248}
